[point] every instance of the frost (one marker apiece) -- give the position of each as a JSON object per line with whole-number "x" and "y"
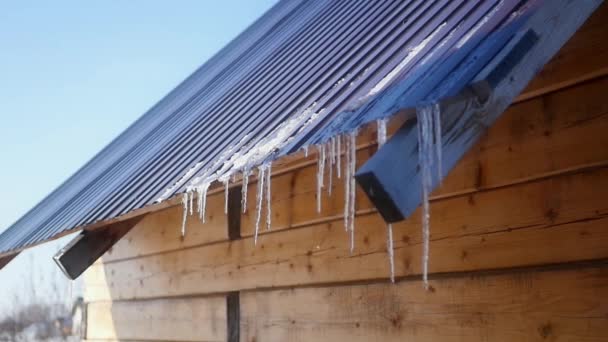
{"x": 429, "y": 151}
{"x": 208, "y": 174}
{"x": 390, "y": 250}
{"x": 479, "y": 24}
{"x": 242, "y": 157}
{"x": 412, "y": 53}
{"x": 381, "y": 123}
{"x": 260, "y": 151}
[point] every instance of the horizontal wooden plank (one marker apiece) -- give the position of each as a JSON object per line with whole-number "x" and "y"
{"x": 539, "y": 137}
{"x": 161, "y": 231}
{"x": 184, "y": 319}
{"x": 559, "y": 305}
{"x": 500, "y": 228}
{"x": 559, "y": 132}
{"x": 585, "y": 55}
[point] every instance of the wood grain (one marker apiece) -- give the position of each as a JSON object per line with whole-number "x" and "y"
{"x": 501, "y": 228}
{"x": 161, "y": 231}
{"x": 185, "y": 319}
{"x": 566, "y": 305}
{"x": 584, "y": 57}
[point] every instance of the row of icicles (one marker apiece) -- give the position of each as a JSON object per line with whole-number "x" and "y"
{"x": 329, "y": 158}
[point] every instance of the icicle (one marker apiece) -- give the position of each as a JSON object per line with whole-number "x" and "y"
{"x": 320, "y": 173}
{"x": 381, "y": 132}
{"x": 332, "y": 143}
{"x": 352, "y": 187}
{"x": 268, "y": 196}
{"x": 244, "y": 190}
{"x": 226, "y": 183}
{"x": 191, "y": 202}
{"x": 185, "y": 216}
{"x": 390, "y": 250}
{"x": 260, "y": 196}
{"x": 438, "y": 146}
{"x": 338, "y": 156}
{"x": 346, "y": 183}
{"x": 330, "y": 162}
{"x": 199, "y": 201}
{"x": 202, "y": 200}
{"x": 425, "y": 156}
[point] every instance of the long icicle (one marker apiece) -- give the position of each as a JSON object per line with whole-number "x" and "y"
{"x": 331, "y": 160}
{"x": 226, "y": 194}
{"x": 346, "y": 183}
{"x": 425, "y": 159}
{"x": 338, "y": 156}
{"x": 244, "y": 190}
{"x": 390, "y": 250}
{"x": 320, "y": 173}
{"x": 191, "y": 202}
{"x": 185, "y": 216}
{"x": 202, "y": 199}
{"x": 438, "y": 146}
{"x": 259, "y": 198}
{"x": 268, "y": 196}
{"x": 352, "y": 188}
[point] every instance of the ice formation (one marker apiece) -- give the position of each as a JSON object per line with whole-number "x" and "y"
{"x": 201, "y": 191}
{"x": 268, "y": 196}
{"x": 338, "y": 156}
{"x": 381, "y": 124}
{"x": 438, "y": 143}
{"x": 259, "y": 198}
{"x": 244, "y": 190}
{"x": 390, "y": 250}
{"x": 352, "y": 188}
{"x": 331, "y": 162}
{"x": 185, "y": 215}
{"x": 346, "y": 183}
{"x": 226, "y": 193}
{"x": 249, "y": 154}
{"x": 320, "y": 174}
{"x": 412, "y": 53}
{"x": 350, "y": 161}
{"x": 429, "y": 152}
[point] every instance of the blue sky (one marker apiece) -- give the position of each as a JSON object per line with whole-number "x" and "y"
{"x": 74, "y": 74}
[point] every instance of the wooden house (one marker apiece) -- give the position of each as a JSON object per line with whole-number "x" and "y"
{"x": 262, "y": 199}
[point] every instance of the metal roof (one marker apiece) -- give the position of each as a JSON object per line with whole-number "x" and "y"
{"x": 304, "y": 71}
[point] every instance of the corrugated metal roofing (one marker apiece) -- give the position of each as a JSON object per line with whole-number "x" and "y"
{"x": 303, "y": 72}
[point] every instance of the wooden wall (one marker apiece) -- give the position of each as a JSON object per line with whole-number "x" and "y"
{"x": 519, "y": 242}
